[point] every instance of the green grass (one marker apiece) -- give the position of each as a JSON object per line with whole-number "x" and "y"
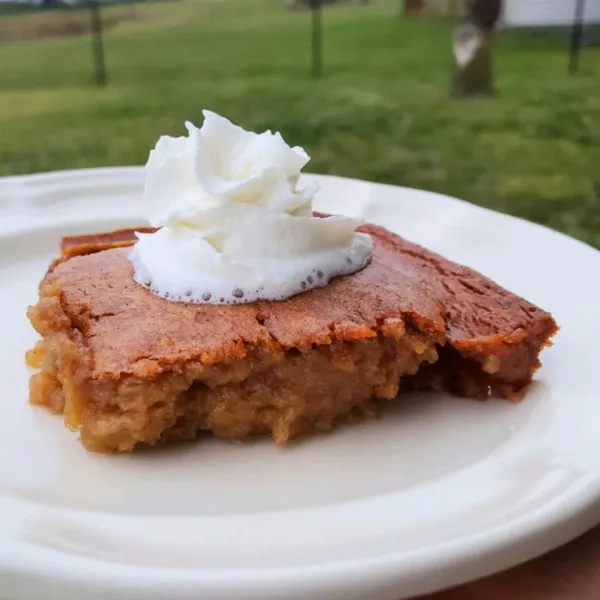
{"x": 382, "y": 110}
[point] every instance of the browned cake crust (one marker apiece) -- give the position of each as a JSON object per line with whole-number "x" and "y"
{"x": 79, "y": 245}
{"x": 127, "y": 367}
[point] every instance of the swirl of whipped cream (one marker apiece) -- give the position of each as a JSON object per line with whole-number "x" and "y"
{"x": 234, "y": 226}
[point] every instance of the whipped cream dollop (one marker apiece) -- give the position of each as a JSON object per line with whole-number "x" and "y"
{"x": 233, "y": 224}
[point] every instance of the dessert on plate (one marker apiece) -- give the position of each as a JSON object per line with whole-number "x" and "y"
{"x": 240, "y": 312}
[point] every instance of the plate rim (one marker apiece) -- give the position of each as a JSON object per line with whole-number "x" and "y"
{"x": 561, "y": 520}
{"x": 133, "y": 170}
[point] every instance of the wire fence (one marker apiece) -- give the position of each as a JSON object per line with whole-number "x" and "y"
{"x": 25, "y": 21}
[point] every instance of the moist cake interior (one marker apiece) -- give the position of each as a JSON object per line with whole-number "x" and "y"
{"x": 287, "y": 394}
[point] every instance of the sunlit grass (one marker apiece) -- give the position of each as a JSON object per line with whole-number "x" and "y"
{"x": 382, "y": 110}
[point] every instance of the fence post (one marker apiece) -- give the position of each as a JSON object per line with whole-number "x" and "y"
{"x": 317, "y": 37}
{"x": 576, "y": 35}
{"x": 97, "y": 42}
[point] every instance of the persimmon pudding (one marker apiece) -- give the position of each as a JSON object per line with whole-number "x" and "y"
{"x": 234, "y": 333}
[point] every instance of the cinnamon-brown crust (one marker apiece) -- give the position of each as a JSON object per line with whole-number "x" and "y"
{"x": 494, "y": 336}
{"x": 78, "y": 245}
{"x": 90, "y": 243}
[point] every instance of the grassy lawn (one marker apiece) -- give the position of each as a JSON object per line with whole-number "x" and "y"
{"x": 381, "y": 112}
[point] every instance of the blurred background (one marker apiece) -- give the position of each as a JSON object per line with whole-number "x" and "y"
{"x": 494, "y": 102}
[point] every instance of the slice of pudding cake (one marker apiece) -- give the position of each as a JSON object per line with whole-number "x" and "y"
{"x": 127, "y": 367}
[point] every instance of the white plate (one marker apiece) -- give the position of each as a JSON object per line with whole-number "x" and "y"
{"x": 439, "y": 491}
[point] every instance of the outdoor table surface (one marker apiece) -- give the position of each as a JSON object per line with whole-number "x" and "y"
{"x": 570, "y": 573}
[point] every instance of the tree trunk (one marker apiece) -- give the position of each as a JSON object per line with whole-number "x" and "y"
{"x": 484, "y": 13}
{"x": 473, "y": 72}
{"x": 472, "y": 45}
{"x": 413, "y": 8}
